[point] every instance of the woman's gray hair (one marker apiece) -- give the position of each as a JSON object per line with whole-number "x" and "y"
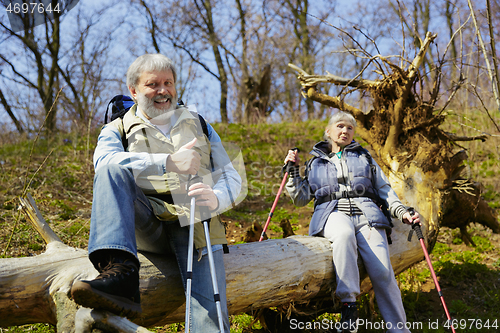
{"x": 149, "y": 63}
{"x": 339, "y": 116}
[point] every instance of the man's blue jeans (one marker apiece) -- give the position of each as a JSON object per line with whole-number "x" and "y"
{"x": 123, "y": 219}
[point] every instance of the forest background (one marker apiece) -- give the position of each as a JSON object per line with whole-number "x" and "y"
{"x": 57, "y": 78}
{"x": 233, "y": 55}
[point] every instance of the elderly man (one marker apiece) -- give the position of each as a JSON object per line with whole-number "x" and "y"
{"x": 135, "y": 190}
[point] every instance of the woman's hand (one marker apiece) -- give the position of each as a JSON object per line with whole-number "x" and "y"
{"x": 411, "y": 219}
{"x": 293, "y": 156}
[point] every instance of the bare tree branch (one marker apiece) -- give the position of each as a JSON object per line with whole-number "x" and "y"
{"x": 485, "y": 54}
{"x": 419, "y": 59}
{"x": 30, "y": 210}
{"x": 458, "y": 85}
{"x": 309, "y": 91}
{"x": 24, "y": 78}
{"x": 366, "y": 53}
{"x": 310, "y": 80}
{"x": 484, "y": 106}
{"x": 10, "y": 113}
{"x": 395, "y": 127}
{"x": 496, "y": 80}
{"x": 454, "y": 137}
{"x": 154, "y": 26}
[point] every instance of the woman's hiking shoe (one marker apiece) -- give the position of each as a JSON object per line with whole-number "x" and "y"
{"x": 348, "y": 319}
{"x": 115, "y": 289}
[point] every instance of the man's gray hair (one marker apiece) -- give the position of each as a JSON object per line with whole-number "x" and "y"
{"x": 149, "y": 63}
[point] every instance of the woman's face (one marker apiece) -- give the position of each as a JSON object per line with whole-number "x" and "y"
{"x": 341, "y": 134}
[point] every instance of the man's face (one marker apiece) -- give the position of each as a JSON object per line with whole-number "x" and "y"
{"x": 155, "y": 93}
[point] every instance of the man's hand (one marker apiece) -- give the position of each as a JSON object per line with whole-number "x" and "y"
{"x": 411, "y": 219}
{"x": 185, "y": 160}
{"x": 205, "y": 195}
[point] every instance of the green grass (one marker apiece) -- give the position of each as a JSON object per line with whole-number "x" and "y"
{"x": 244, "y": 321}
{"x": 463, "y": 270}
{"x": 35, "y": 328}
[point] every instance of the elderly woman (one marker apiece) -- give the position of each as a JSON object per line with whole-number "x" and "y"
{"x": 348, "y": 186}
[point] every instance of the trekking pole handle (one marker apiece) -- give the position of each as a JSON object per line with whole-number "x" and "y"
{"x": 415, "y": 227}
{"x": 193, "y": 180}
{"x": 289, "y": 165}
{"x": 204, "y": 210}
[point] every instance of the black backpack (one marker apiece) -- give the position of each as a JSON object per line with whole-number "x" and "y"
{"x": 120, "y": 104}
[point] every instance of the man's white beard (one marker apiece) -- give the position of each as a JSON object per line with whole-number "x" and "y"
{"x": 157, "y": 115}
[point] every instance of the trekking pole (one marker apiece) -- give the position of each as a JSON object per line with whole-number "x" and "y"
{"x": 194, "y": 180}
{"x": 418, "y": 231}
{"x": 189, "y": 270}
{"x": 287, "y": 168}
{"x": 214, "y": 276}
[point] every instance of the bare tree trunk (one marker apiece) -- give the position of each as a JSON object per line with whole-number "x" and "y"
{"x": 492, "y": 73}
{"x": 78, "y": 79}
{"x": 46, "y": 75}
{"x": 449, "y": 23}
{"x": 53, "y": 45}
{"x": 495, "y": 78}
{"x": 242, "y": 90}
{"x": 299, "y": 10}
{"x": 195, "y": 26}
{"x": 215, "y": 44}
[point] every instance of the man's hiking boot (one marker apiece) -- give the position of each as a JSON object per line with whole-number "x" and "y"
{"x": 115, "y": 289}
{"x": 348, "y": 319}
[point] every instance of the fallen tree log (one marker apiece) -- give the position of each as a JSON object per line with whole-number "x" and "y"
{"x": 259, "y": 275}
